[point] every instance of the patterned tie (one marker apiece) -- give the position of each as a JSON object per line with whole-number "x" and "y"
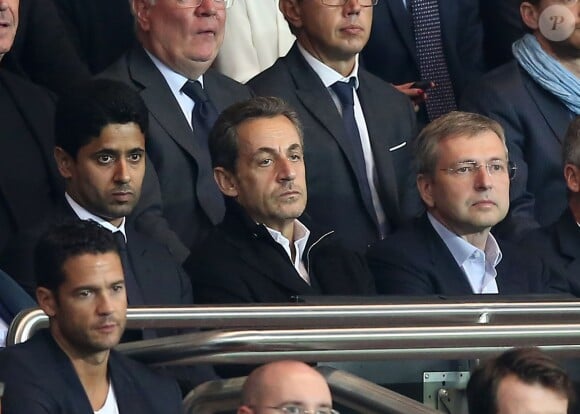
{"x": 344, "y": 91}
{"x": 203, "y": 118}
{"x": 432, "y": 63}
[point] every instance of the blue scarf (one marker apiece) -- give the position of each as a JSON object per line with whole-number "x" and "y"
{"x": 548, "y": 72}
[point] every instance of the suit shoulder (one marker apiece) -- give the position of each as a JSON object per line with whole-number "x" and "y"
{"x": 275, "y": 77}
{"x": 503, "y": 81}
{"x": 226, "y": 83}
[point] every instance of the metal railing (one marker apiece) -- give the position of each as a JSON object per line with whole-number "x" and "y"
{"x": 347, "y": 389}
{"x": 343, "y": 332}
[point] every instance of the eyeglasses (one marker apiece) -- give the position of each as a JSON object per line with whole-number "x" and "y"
{"x": 298, "y": 409}
{"x": 494, "y": 168}
{"x": 340, "y": 3}
{"x": 191, "y": 4}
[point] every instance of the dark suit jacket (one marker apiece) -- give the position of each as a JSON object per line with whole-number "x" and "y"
{"x": 170, "y": 188}
{"x": 535, "y": 123}
{"x": 559, "y": 245}
{"x": 12, "y": 298}
{"x": 39, "y": 378}
{"x": 101, "y": 31}
{"x": 334, "y": 197}
{"x": 241, "y": 262}
{"x": 160, "y": 277}
{"x": 416, "y": 261}
{"x": 42, "y": 49}
{"x": 29, "y": 180}
{"x": 391, "y": 53}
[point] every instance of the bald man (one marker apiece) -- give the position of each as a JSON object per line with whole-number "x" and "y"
{"x": 287, "y": 387}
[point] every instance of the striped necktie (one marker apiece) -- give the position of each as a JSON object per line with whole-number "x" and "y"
{"x": 432, "y": 62}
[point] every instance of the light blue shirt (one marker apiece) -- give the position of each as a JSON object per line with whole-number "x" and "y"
{"x": 175, "y": 81}
{"x": 3, "y": 332}
{"x": 478, "y": 266}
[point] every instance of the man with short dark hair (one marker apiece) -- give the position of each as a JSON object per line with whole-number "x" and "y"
{"x": 521, "y": 380}
{"x": 357, "y": 128}
{"x": 171, "y": 70}
{"x": 534, "y": 98}
{"x": 463, "y": 177}
{"x": 72, "y": 368}
{"x": 100, "y": 153}
{"x": 262, "y": 251}
{"x": 286, "y": 387}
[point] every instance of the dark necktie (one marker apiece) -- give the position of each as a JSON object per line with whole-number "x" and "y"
{"x": 134, "y": 293}
{"x": 432, "y": 62}
{"x": 344, "y": 91}
{"x": 203, "y": 118}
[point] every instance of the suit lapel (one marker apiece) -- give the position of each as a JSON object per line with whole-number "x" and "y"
{"x": 316, "y": 99}
{"x": 568, "y": 237}
{"x": 451, "y": 277}
{"x": 549, "y": 106}
{"x": 160, "y": 101}
{"x": 374, "y": 112}
{"x": 143, "y": 266}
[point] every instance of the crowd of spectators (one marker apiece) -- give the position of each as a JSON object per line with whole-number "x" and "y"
{"x": 238, "y": 153}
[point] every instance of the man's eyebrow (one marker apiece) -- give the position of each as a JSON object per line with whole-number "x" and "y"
{"x": 295, "y": 147}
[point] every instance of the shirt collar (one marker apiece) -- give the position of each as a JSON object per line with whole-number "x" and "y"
{"x": 174, "y": 80}
{"x": 462, "y": 249}
{"x": 84, "y": 214}
{"x": 301, "y": 234}
{"x": 328, "y": 75}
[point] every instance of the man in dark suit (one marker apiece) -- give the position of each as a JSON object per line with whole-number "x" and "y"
{"x": 534, "y": 98}
{"x": 358, "y": 129}
{"x": 261, "y": 252}
{"x": 392, "y": 52}
{"x": 171, "y": 71}
{"x": 463, "y": 177}
{"x": 559, "y": 243}
{"x": 100, "y": 152}
{"x": 71, "y": 367}
{"x": 27, "y": 111}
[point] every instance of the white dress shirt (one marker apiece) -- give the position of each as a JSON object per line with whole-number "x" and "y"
{"x": 301, "y": 234}
{"x": 84, "y": 214}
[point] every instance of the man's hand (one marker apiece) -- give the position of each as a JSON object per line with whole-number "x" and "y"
{"x": 418, "y": 96}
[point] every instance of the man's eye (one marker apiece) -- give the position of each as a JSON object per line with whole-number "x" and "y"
{"x": 265, "y": 163}
{"x": 135, "y": 157}
{"x": 296, "y": 157}
{"x": 105, "y": 159}
{"x": 292, "y": 409}
{"x": 464, "y": 169}
{"x": 497, "y": 167}
{"x": 84, "y": 293}
{"x": 118, "y": 288}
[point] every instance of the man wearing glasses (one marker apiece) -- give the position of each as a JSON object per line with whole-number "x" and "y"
{"x": 463, "y": 177}
{"x": 286, "y": 387}
{"x": 535, "y": 97}
{"x": 357, "y": 128}
{"x": 179, "y": 40}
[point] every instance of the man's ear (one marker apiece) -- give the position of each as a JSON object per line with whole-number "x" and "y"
{"x": 64, "y": 162}
{"x": 572, "y": 177}
{"x": 244, "y": 409}
{"x": 292, "y": 12}
{"x": 226, "y": 181}
{"x": 425, "y": 187}
{"x": 141, "y": 10}
{"x": 530, "y": 15}
{"x": 46, "y": 301}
